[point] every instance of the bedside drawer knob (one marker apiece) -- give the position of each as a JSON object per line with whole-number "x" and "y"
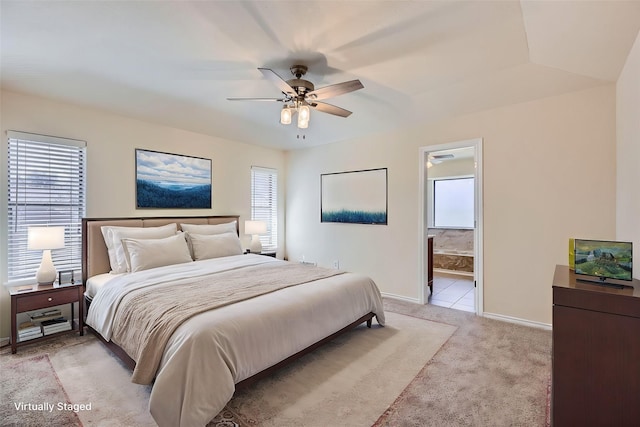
{"x": 50, "y": 299}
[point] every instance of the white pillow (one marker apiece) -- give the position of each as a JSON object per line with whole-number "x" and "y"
{"x": 113, "y": 238}
{"x": 215, "y": 245}
{"x": 228, "y": 227}
{"x": 143, "y": 254}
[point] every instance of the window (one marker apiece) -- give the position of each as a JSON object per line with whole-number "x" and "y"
{"x": 46, "y": 186}
{"x": 453, "y": 203}
{"x": 264, "y": 204}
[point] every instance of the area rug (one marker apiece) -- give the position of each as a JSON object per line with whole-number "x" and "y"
{"x": 350, "y": 381}
{"x": 31, "y": 395}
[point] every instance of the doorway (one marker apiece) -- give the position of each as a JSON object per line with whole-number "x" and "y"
{"x": 451, "y": 225}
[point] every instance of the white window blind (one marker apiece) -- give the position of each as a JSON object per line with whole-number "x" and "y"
{"x": 46, "y": 187}
{"x": 264, "y": 204}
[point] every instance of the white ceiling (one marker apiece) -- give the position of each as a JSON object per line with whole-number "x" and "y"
{"x": 176, "y": 62}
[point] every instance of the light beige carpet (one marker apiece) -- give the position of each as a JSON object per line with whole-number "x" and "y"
{"x": 489, "y": 373}
{"x": 350, "y": 381}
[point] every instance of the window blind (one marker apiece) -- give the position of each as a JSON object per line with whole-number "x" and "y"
{"x": 46, "y": 187}
{"x": 264, "y": 204}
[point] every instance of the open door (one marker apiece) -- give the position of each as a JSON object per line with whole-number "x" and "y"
{"x": 451, "y": 225}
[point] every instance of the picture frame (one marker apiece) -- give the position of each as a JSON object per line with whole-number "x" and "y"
{"x": 354, "y": 197}
{"x": 65, "y": 277}
{"x": 172, "y": 181}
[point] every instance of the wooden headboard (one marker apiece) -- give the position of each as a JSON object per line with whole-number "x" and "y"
{"x": 95, "y": 258}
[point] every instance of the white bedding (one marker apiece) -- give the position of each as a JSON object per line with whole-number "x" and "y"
{"x": 213, "y": 351}
{"x": 94, "y": 283}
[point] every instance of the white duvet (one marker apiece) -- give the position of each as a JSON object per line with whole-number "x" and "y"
{"x": 213, "y": 351}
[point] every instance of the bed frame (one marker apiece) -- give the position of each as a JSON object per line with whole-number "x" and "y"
{"x": 95, "y": 260}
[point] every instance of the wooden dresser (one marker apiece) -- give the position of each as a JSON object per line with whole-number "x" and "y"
{"x": 596, "y": 353}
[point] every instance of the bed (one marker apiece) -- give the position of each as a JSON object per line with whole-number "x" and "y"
{"x": 247, "y": 314}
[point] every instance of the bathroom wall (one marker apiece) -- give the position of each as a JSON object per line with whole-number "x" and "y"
{"x": 452, "y": 249}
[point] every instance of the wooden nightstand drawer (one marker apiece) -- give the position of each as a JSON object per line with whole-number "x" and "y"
{"x": 46, "y": 299}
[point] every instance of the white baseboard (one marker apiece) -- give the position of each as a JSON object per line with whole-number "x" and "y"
{"x": 517, "y": 320}
{"x": 4, "y": 341}
{"x": 400, "y": 297}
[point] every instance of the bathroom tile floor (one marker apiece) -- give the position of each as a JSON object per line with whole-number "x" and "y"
{"x": 453, "y": 291}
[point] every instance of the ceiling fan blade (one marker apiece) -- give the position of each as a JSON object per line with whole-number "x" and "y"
{"x": 331, "y": 109}
{"x": 334, "y": 90}
{"x": 257, "y": 99}
{"x": 278, "y": 81}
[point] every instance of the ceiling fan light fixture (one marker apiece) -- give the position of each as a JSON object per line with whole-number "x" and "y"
{"x": 303, "y": 113}
{"x": 285, "y": 115}
{"x": 303, "y": 116}
{"x": 303, "y": 124}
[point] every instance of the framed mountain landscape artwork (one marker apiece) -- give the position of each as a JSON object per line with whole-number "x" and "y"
{"x": 172, "y": 181}
{"x": 355, "y": 197}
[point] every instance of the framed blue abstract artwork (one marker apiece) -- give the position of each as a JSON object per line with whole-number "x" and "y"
{"x": 172, "y": 181}
{"x": 355, "y": 197}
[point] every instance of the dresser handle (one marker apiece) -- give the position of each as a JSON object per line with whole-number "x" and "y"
{"x": 50, "y": 299}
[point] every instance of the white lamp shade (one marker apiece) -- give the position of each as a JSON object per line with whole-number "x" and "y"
{"x": 255, "y": 227}
{"x": 303, "y": 113}
{"x": 285, "y": 115}
{"x": 41, "y": 238}
{"x": 303, "y": 117}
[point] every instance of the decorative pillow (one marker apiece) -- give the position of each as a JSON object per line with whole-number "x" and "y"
{"x": 214, "y": 246}
{"x": 143, "y": 254}
{"x": 113, "y": 238}
{"x": 228, "y": 227}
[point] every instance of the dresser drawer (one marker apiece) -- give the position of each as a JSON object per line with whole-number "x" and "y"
{"x": 46, "y": 299}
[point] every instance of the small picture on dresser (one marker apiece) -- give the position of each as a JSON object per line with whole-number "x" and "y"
{"x": 172, "y": 181}
{"x": 66, "y": 277}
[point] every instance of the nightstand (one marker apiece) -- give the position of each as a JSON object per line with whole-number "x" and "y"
{"x": 41, "y": 297}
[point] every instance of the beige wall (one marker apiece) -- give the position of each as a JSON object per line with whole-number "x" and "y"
{"x": 544, "y": 163}
{"x": 111, "y": 141}
{"x": 628, "y": 153}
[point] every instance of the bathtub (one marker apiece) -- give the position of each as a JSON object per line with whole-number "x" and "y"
{"x": 453, "y": 260}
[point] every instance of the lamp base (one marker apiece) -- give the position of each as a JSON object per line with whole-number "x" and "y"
{"x": 256, "y": 244}
{"x": 46, "y": 274}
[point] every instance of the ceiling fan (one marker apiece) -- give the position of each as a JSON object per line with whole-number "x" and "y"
{"x": 300, "y": 95}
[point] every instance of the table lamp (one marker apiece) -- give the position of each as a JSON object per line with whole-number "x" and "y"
{"x": 255, "y": 228}
{"x": 45, "y": 239}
